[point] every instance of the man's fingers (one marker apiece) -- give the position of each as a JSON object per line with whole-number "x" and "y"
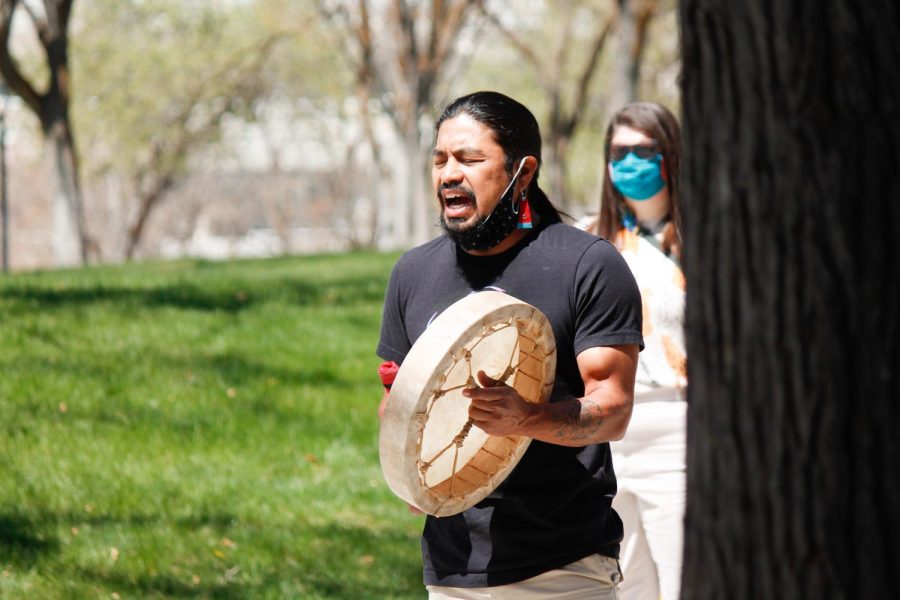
{"x": 484, "y": 406}
{"x": 492, "y": 388}
{"x": 485, "y": 393}
{"x": 487, "y": 381}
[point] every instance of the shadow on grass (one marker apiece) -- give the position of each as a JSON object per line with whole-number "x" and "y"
{"x": 185, "y": 296}
{"x": 237, "y": 387}
{"x": 240, "y": 370}
{"x": 227, "y": 296}
{"x": 20, "y": 541}
{"x": 333, "y": 560}
{"x": 347, "y": 292}
{"x": 169, "y": 586}
{"x": 228, "y": 366}
{"x": 328, "y": 561}
{"x": 23, "y": 543}
{"x": 358, "y": 562}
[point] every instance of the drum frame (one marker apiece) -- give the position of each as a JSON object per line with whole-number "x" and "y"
{"x": 455, "y": 336}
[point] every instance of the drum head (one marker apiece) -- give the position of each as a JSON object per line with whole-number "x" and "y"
{"x": 432, "y": 456}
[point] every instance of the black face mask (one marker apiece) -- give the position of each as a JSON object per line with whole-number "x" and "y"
{"x": 490, "y": 230}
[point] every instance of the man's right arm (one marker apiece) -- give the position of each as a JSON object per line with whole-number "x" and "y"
{"x": 384, "y": 399}
{"x": 387, "y": 372}
{"x": 383, "y": 404}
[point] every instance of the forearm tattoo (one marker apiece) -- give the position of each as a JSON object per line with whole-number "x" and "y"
{"x": 576, "y": 421}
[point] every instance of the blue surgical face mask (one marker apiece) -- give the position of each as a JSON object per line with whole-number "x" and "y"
{"x": 638, "y": 178}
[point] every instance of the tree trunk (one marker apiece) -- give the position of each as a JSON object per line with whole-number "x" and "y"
{"x": 148, "y": 197}
{"x": 377, "y": 172}
{"x": 401, "y": 224}
{"x": 791, "y": 207}
{"x": 70, "y": 244}
{"x": 422, "y": 199}
{"x": 624, "y": 74}
{"x": 631, "y": 33}
{"x": 555, "y": 168}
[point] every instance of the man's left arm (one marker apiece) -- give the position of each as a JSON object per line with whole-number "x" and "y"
{"x": 602, "y": 415}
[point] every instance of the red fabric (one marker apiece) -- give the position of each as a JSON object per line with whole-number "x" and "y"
{"x": 524, "y": 214}
{"x": 388, "y": 371}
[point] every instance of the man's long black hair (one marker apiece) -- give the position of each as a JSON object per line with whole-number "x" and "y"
{"x": 517, "y": 132}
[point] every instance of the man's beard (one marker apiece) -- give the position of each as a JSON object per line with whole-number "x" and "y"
{"x": 487, "y": 230}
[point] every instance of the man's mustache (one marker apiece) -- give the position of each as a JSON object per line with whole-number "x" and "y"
{"x": 455, "y": 187}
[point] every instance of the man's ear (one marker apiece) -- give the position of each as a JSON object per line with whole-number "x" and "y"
{"x": 528, "y": 171}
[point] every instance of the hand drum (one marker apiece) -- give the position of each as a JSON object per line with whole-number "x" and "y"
{"x": 431, "y": 454}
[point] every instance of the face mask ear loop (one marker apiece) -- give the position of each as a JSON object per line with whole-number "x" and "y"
{"x": 515, "y": 202}
{"x": 515, "y": 205}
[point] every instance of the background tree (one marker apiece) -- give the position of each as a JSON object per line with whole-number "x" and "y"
{"x": 357, "y": 44}
{"x": 51, "y": 106}
{"x": 564, "y": 74}
{"x": 400, "y": 51}
{"x": 163, "y": 89}
{"x": 632, "y": 29}
{"x": 793, "y": 316}
{"x": 272, "y": 131}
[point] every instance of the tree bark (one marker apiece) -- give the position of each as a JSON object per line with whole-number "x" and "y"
{"x": 634, "y": 20}
{"x": 71, "y": 242}
{"x": 790, "y": 206}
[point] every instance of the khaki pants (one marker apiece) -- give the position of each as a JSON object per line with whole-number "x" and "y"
{"x": 592, "y": 578}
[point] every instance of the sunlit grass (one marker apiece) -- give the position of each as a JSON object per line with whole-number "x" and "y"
{"x": 193, "y": 429}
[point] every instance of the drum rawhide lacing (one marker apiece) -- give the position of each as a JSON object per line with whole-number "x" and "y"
{"x": 466, "y": 355}
{"x": 431, "y": 454}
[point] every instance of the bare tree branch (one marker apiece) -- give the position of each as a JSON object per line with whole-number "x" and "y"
{"x": 158, "y": 176}
{"x": 403, "y": 59}
{"x": 450, "y": 27}
{"x": 437, "y": 16}
{"x": 41, "y": 24}
{"x": 8, "y": 68}
{"x": 587, "y": 75}
{"x": 519, "y": 44}
{"x": 563, "y": 118}
{"x": 409, "y": 54}
{"x": 563, "y": 43}
{"x": 643, "y": 16}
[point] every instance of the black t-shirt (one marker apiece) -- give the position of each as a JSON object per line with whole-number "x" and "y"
{"x": 554, "y": 508}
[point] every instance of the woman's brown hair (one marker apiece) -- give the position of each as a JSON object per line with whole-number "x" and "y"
{"x": 657, "y": 122}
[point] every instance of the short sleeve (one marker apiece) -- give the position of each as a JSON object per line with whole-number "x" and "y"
{"x": 607, "y": 300}
{"x": 394, "y": 344}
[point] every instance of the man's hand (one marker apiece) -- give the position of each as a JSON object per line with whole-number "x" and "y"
{"x": 497, "y": 408}
{"x": 600, "y": 416}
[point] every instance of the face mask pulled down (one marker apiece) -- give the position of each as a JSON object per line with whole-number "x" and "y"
{"x": 490, "y": 230}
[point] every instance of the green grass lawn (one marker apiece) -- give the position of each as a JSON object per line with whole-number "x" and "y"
{"x": 196, "y": 429}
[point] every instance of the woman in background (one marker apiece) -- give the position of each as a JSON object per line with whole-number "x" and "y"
{"x": 639, "y": 212}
